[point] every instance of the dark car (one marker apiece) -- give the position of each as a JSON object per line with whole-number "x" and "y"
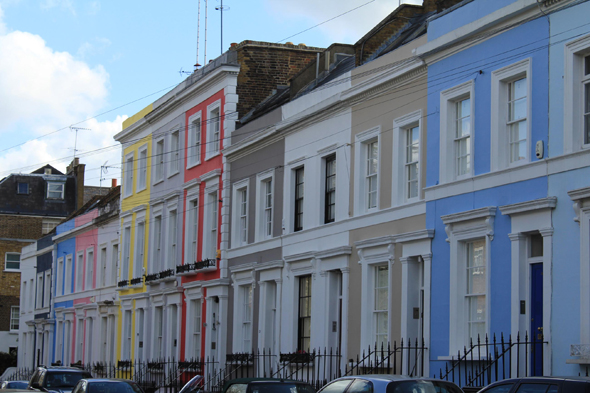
{"x": 106, "y": 385}
{"x": 14, "y": 385}
{"x": 389, "y": 384}
{"x": 540, "y": 385}
{"x": 57, "y": 379}
{"x": 266, "y": 385}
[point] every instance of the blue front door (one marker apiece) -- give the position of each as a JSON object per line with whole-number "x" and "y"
{"x": 536, "y": 334}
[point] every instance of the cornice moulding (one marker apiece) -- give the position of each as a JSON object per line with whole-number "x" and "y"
{"x": 483, "y": 212}
{"x": 413, "y": 236}
{"x": 524, "y": 207}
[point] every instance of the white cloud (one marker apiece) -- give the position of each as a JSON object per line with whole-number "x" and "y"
{"x": 93, "y": 7}
{"x": 66, "y": 4}
{"x": 41, "y": 91}
{"x": 348, "y": 28}
{"x": 97, "y": 47}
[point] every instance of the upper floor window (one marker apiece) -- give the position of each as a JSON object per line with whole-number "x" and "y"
{"x": 128, "y": 185}
{"x": 268, "y": 208}
{"x": 55, "y": 190}
{"x": 12, "y": 261}
{"x": 159, "y": 156}
{"x": 172, "y": 238}
{"x": 157, "y": 244}
{"x": 22, "y": 188}
{"x": 174, "y": 153}
{"x": 456, "y": 132}
{"x": 48, "y": 224}
{"x": 243, "y": 215}
{"x": 142, "y": 175}
{"x": 298, "y": 199}
{"x": 517, "y": 119}
{"x": 213, "y": 130}
{"x": 210, "y": 244}
{"x": 139, "y": 249}
{"x": 462, "y": 141}
{"x": 576, "y": 89}
{"x": 194, "y": 141}
{"x": 510, "y": 115}
{"x": 412, "y": 161}
{"x": 192, "y": 230}
{"x": 126, "y": 253}
{"x": 264, "y": 205}
{"x": 330, "y": 189}
{"x": 371, "y": 170}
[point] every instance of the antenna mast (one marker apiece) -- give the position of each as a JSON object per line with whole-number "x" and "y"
{"x": 198, "y": 33}
{"x": 206, "y": 3}
{"x": 72, "y": 128}
{"x": 221, "y": 8}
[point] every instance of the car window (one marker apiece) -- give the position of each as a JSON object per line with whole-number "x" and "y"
{"x": 64, "y": 379}
{"x": 422, "y": 387}
{"x": 111, "y": 387}
{"x": 237, "y": 388}
{"x": 537, "y": 388}
{"x": 360, "y": 386}
{"x": 279, "y": 387}
{"x": 305, "y": 388}
{"x": 504, "y": 388}
{"x": 337, "y": 386}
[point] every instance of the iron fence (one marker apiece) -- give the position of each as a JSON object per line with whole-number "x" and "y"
{"x": 488, "y": 361}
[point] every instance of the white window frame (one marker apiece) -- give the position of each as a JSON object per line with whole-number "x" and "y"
{"x": 156, "y": 262}
{"x": 448, "y": 155}
{"x": 242, "y": 281}
{"x": 69, "y": 266}
{"x": 174, "y": 153}
{"x": 462, "y": 228}
{"x": 261, "y": 222}
{"x": 399, "y": 182}
{"x": 126, "y": 256}
{"x": 193, "y": 151}
{"x": 47, "y": 289}
{"x": 89, "y": 270}
{"x": 239, "y": 219}
{"x": 62, "y": 187}
{"x": 14, "y": 315}
{"x": 139, "y": 257}
{"x": 573, "y": 113}
{"x": 101, "y": 266}
{"x": 213, "y": 149}
{"x": 48, "y": 224}
{"x": 500, "y": 154}
{"x": 191, "y": 230}
{"x": 158, "y": 332}
{"x": 114, "y": 270}
{"x": 196, "y": 330}
{"x": 211, "y": 208}
{"x": 39, "y": 290}
{"x": 362, "y": 140}
{"x": 80, "y": 271}
{"x": 158, "y": 159}
{"x": 128, "y": 174}
{"x": 142, "y": 168}
{"x": 6, "y": 261}
{"x": 172, "y": 238}
{"x": 59, "y": 279}
{"x": 127, "y": 335}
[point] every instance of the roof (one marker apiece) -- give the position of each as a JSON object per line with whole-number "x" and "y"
{"x": 257, "y": 380}
{"x": 96, "y": 201}
{"x": 42, "y": 170}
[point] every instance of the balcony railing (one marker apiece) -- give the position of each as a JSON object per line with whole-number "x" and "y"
{"x": 123, "y": 283}
{"x": 196, "y": 266}
{"x": 159, "y": 276}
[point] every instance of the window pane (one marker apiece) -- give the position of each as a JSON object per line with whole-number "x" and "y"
{"x": 587, "y": 65}
{"x": 360, "y": 386}
{"x": 337, "y": 386}
{"x": 533, "y": 388}
{"x": 519, "y": 88}
{"x": 587, "y": 111}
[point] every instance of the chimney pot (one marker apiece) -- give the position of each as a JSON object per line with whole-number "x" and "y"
{"x": 113, "y": 183}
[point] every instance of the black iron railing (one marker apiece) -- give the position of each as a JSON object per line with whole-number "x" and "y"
{"x": 196, "y": 266}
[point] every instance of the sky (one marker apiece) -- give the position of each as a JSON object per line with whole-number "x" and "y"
{"x": 85, "y": 64}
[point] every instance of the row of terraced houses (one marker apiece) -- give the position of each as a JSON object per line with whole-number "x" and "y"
{"x": 430, "y": 182}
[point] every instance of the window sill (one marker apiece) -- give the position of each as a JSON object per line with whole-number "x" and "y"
{"x": 192, "y": 165}
{"x": 173, "y": 174}
{"x": 140, "y": 190}
{"x": 12, "y": 270}
{"x": 157, "y": 182}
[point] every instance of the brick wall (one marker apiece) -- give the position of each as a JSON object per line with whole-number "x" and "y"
{"x": 6, "y": 302}
{"x": 263, "y": 66}
{"x": 9, "y": 281}
{"x": 20, "y": 227}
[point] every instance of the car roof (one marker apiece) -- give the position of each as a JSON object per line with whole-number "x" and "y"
{"x": 63, "y": 368}
{"x": 93, "y": 380}
{"x": 258, "y": 380}
{"x": 390, "y": 378}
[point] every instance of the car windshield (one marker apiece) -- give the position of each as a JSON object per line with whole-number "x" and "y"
{"x": 422, "y": 387}
{"x": 279, "y": 387}
{"x": 64, "y": 379}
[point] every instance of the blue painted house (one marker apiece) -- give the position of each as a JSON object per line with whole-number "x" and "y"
{"x": 501, "y": 218}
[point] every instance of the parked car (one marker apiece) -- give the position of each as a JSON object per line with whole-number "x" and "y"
{"x": 106, "y": 385}
{"x": 14, "y": 385}
{"x": 58, "y": 379}
{"x": 266, "y": 385}
{"x": 540, "y": 385}
{"x": 389, "y": 384}
{"x": 193, "y": 386}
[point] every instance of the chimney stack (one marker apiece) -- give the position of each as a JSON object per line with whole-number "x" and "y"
{"x": 113, "y": 183}
{"x": 77, "y": 169}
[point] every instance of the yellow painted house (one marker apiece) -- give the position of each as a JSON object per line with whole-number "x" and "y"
{"x": 135, "y": 195}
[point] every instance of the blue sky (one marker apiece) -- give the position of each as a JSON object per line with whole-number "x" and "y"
{"x": 64, "y": 61}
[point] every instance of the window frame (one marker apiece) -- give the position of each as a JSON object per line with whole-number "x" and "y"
{"x": 213, "y": 149}
{"x": 449, "y": 98}
{"x": 18, "y": 188}
{"x": 298, "y": 210}
{"x": 79, "y": 269}
{"x": 142, "y": 168}
{"x": 7, "y": 269}
{"x": 172, "y": 238}
{"x": 374, "y": 310}
{"x": 14, "y": 315}
{"x": 126, "y": 256}
{"x": 128, "y": 174}
{"x": 158, "y": 156}
{"x": 68, "y": 270}
{"x": 362, "y": 140}
{"x": 89, "y": 269}
{"x": 240, "y": 210}
{"x": 327, "y": 192}
{"x": 174, "y": 153}
{"x": 194, "y": 158}
{"x": 197, "y": 330}
{"x": 573, "y": 124}
{"x": 211, "y": 227}
{"x": 401, "y": 125}
{"x": 139, "y": 257}
{"x": 262, "y": 179}
{"x": 46, "y": 288}
{"x": 62, "y": 186}
{"x": 192, "y": 228}
{"x": 462, "y": 228}
{"x": 301, "y": 339}
{"x": 156, "y": 241}
{"x": 500, "y": 132}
